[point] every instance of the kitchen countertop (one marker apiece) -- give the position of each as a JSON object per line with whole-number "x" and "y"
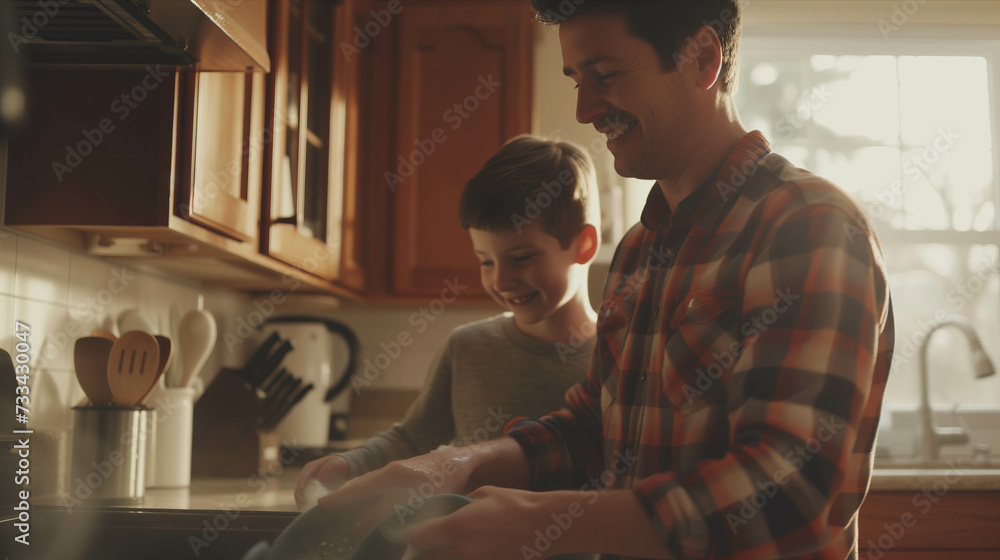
{"x": 213, "y": 519}
{"x": 276, "y": 494}
{"x": 916, "y": 479}
{"x": 256, "y": 493}
{"x": 222, "y": 518}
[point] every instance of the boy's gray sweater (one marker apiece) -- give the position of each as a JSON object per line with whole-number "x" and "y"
{"x": 487, "y": 373}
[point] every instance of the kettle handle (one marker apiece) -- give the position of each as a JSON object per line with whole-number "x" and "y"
{"x": 345, "y": 332}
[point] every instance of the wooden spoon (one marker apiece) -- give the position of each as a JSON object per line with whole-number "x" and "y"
{"x": 166, "y": 353}
{"x": 90, "y": 356}
{"x": 133, "y": 367}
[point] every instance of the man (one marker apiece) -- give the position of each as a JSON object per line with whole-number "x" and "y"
{"x": 742, "y": 348}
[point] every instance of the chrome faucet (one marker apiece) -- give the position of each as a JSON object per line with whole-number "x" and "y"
{"x": 932, "y": 437}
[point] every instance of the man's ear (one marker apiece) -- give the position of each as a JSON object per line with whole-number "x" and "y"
{"x": 709, "y": 58}
{"x": 587, "y": 244}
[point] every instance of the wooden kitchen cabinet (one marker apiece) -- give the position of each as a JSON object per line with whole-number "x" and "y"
{"x": 339, "y": 171}
{"x": 460, "y": 85}
{"x": 409, "y": 63}
{"x": 150, "y": 166}
{"x": 109, "y": 161}
{"x": 93, "y": 154}
{"x": 156, "y": 167}
{"x": 924, "y": 526}
{"x": 310, "y": 171}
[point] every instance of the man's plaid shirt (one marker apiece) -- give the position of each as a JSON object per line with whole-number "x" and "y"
{"x": 736, "y": 384}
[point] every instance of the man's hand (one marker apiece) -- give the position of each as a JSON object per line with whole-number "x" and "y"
{"x": 330, "y": 471}
{"x": 499, "y": 524}
{"x": 503, "y": 523}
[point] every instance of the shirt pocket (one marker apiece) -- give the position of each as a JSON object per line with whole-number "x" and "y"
{"x": 614, "y": 320}
{"x": 702, "y": 349}
{"x": 615, "y": 315}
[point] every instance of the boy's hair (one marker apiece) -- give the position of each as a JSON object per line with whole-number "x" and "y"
{"x": 532, "y": 179}
{"x": 666, "y": 25}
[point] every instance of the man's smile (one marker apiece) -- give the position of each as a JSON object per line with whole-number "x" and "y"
{"x": 620, "y": 130}
{"x": 518, "y": 301}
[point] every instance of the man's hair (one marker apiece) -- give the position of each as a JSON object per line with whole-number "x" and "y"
{"x": 529, "y": 180}
{"x": 667, "y": 25}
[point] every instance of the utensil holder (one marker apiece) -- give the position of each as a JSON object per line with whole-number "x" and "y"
{"x": 109, "y": 453}
{"x": 170, "y": 455}
{"x": 227, "y": 441}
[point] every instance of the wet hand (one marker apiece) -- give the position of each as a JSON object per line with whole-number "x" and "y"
{"x": 401, "y": 483}
{"x": 319, "y": 478}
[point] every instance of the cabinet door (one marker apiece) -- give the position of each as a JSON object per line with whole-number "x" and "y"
{"x": 921, "y": 525}
{"x": 88, "y": 158}
{"x": 224, "y": 115}
{"x": 308, "y": 171}
{"x": 464, "y": 89}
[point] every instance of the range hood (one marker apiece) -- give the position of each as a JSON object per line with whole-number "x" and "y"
{"x": 208, "y": 35}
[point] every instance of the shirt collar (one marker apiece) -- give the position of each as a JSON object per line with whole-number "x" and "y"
{"x": 701, "y": 207}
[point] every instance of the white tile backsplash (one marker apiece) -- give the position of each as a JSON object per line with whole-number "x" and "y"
{"x": 157, "y": 295}
{"x": 42, "y": 272}
{"x": 51, "y": 333}
{"x": 99, "y": 290}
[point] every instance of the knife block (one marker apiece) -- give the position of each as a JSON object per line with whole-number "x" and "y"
{"x": 227, "y": 441}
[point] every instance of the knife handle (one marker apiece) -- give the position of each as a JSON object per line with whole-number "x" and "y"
{"x": 259, "y": 354}
{"x": 272, "y": 363}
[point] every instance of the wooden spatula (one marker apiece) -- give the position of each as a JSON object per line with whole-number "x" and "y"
{"x": 132, "y": 367}
{"x": 90, "y": 356}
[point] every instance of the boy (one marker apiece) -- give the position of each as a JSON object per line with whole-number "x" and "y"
{"x": 742, "y": 349}
{"x": 532, "y": 212}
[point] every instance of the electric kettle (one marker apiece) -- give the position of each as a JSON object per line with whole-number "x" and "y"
{"x": 316, "y": 353}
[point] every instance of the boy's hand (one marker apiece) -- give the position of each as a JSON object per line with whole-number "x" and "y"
{"x": 399, "y": 482}
{"x": 457, "y": 470}
{"x": 330, "y": 471}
